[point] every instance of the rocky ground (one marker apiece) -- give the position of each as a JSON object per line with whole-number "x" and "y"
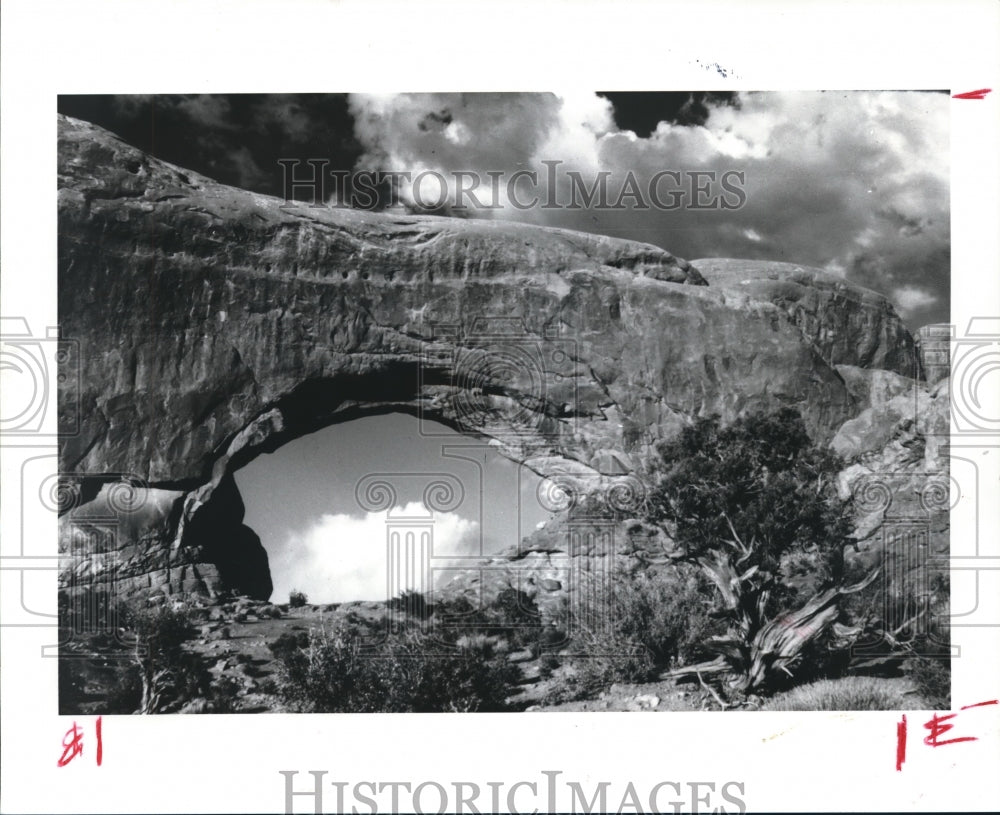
{"x": 233, "y": 638}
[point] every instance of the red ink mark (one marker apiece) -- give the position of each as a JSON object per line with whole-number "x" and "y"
{"x": 980, "y": 94}
{"x": 100, "y": 743}
{"x": 72, "y": 745}
{"x": 938, "y": 728}
{"x": 900, "y": 743}
{"x": 982, "y": 704}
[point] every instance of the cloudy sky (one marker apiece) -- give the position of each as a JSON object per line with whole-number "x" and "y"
{"x": 853, "y": 182}
{"x": 302, "y": 502}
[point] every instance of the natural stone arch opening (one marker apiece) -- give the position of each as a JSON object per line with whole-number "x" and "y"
{"x": 315, "y": 505}
{"x": 211, "y": 524}
{"x": 187, "y": 535}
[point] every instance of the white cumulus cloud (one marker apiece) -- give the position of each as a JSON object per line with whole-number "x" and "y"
{"x": 343, "y": 557}
{"x": 855, "y": 181}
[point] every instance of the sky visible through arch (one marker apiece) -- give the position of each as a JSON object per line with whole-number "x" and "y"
{"x": 301, "y": 501}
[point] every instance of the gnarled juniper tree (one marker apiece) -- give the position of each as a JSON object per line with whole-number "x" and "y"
{"x": 754, "y": 504}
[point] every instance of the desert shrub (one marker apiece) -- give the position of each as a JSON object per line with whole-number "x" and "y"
{"x": 670, "y": 617}
{"x": 759, "y": 479}
{"x": 335, "y": 672}
{"x": 141, "y": 665}
{"x": 143, "y": 668}
{"x": 297, "y": 599}
{"x": 547, "y": 663}
{"x": 649, "y": 622}
{"x": 931, "y": 678}
{"x": 929, "y": 665}
{"x": 124, "y": 694}
{"x": 223, "y": 695}
{"x": 269, "y": 611}
{"x": 169, "y": 674}
{"x": 849, "y": 693}
{"x": 287, "y": 643}
{"x": 604, "y": 659}
{"x": 163, "y": 630}
{"x": 552, "y": 637}
{"x": 475, "y": 678}
{"x": 916, "y": 644}
{"x": 412, "y": 603}
{"x": 512, "y": 615}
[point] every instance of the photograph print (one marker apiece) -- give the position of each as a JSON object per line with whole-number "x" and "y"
{"x": 477, "y": 402}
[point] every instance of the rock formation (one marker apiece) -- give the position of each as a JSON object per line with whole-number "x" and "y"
{"x": 934, "y": 346}
{"x": 215, "y": 324}
{"x": 847, "y": 324}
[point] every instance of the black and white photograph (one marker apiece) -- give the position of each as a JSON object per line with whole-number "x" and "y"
{"x": 402, "y": 403}
{"x": 504, "y": 402}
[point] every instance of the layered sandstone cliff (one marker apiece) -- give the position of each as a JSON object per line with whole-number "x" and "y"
{"x": 215, "y": 324}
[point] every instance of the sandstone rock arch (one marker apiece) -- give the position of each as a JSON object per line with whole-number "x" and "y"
{"x": 213, "y": 324}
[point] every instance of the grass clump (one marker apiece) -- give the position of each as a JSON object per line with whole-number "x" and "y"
{"x": 849, "y": 693}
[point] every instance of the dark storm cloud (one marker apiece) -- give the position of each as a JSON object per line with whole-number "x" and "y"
{"x": 853, "y": 182}
{"x": 642, "y": 111}
{"x": 234, "y": 138}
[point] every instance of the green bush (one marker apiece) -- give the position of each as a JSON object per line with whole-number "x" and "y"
{"x": 931, "y": 678}
{"x": 412, "y": 603}
{"x": 754, "y": 504}
{"x": 297, "y": 599}
{"x": 170, "y": 675}
{"x": 608, "y": 659}
{"x": 670, "y": 616}
{"x": 650, "y": 623}
{"x": 335, "y": 672}
{"x": 512, "y": 616}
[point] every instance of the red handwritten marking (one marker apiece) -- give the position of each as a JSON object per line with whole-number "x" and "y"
{"x": 981, "y": 704}
{"x": 900, "y": 743}
{"x": 100, "y": 743}
{"x": 938, "y": 728}
{"x": 980, "y": 94}
{"x": 72, "y": 745}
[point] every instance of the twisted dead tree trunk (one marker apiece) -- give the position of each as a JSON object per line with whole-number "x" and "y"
{"x": 759, "y": 647}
